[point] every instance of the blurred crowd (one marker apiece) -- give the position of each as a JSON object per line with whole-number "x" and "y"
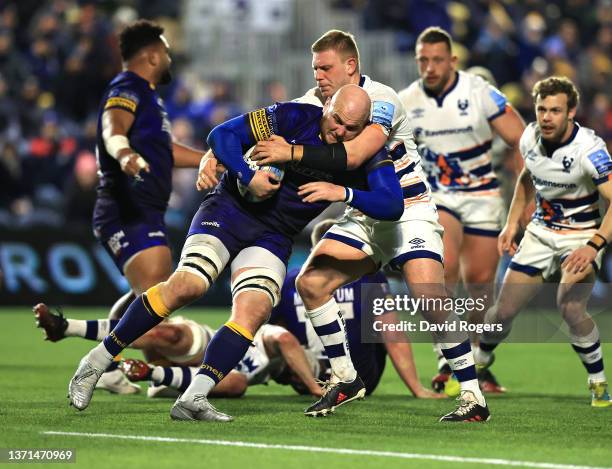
{"x": 520, "y": 42}
{"x": 56, "y": 57}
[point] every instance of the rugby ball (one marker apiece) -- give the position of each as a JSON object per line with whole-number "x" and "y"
{"x": 277, "y": 171}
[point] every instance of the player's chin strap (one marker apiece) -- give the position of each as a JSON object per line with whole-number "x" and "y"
{"x": 258, "y": 279}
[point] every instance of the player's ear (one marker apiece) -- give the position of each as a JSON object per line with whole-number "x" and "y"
{"x": 351, "y": 65}
{"x": 571, "y": 113}
{"x": 153, "y": 57}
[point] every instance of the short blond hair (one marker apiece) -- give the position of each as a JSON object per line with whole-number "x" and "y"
{"x": 342, "y": 42}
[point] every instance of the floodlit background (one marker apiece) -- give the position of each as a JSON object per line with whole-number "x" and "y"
{"x": 230, "y": 56}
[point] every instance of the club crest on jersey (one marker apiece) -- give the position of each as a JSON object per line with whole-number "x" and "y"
{"x": 463, "y": 104}
{"x": 567, "y": 164}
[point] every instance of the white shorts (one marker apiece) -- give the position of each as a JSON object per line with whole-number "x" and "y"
{"x": 543, "y": 250}
{"x": 390, "y": 242}
{"x": 480, "y": 215}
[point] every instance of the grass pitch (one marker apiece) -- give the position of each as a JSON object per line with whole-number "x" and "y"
{"x": 545, "y": 418}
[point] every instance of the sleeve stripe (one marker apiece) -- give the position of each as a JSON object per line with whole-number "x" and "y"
{"x": 118, "y": 101}
{"x": 259, "y": 125}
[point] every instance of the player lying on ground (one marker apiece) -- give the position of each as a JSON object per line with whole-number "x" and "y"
{"x": 567, "y": 169}
{"x": 175, "y": 349}
{"x": 256, "y": 237}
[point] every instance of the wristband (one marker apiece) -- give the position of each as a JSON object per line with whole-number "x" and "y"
{"x": 348, "y": 195}
{"x": 595, "y": 246}
{"x": 605, "y": 241}
{"x": 115, "y": 144}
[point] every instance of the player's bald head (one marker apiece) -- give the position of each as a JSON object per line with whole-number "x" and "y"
{"x": 345, "y": 114}
{"x": 352, "y": 101}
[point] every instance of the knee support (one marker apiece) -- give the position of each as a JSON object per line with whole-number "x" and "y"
{"x": 259, "y": 279}
{"x": 204, "y": 256}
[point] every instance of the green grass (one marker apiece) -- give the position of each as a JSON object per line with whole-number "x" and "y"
{"x": 545, "y": 417}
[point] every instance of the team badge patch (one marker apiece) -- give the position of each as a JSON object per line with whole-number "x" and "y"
{"x": 382, "y": 113}
{"x": 602, "y": 162}
{"x": 122, "y": 99}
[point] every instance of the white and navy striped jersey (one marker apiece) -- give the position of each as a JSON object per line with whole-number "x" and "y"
{"x": 453, "y": 132}
{"x": 389, "y": 114}
{"x": 566, "y": 181}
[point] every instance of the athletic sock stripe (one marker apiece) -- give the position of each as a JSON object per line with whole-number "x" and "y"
{"x": 585, "y": 350}
{"x": 199, "y": 269}
{"x": 457, "y": 351}
{"x": 595, "y": 367}
{"x": 253, "y": 285}
{"x": 335, "y": 350}
{"x": 205, "y": 258}
{"x": 168, "y": 375}
{"x": 186, "y": 378}
{"x": 328, "y": 329}
{"x": 92, "y": 330}
{"x": 465, "y": 374}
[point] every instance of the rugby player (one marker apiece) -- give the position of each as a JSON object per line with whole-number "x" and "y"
{"x": 454, "y": 116}
{"x": 359, "y": 245}
{"x": 256, "y": 238}
{"x": 567, "y": 169}
{"x": 136, "y": 154}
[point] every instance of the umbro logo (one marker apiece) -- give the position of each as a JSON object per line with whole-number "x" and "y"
{"x": 416, "y": 241}
{"x": 418, "y": 113}
{"x": 461, "y": 362}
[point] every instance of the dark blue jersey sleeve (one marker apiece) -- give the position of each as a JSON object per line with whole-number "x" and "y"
{"x": 229, "y": 140}
{"x": 384, "y": 199}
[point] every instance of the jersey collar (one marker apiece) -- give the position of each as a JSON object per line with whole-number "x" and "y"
{"x": 550, "y": 148}
{"x": 362, "y": 79}
{"x": 440, "y": 99}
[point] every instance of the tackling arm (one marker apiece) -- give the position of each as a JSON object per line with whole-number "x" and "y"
{"x": 333, "y": 157}
{"x": 383, "y": 201}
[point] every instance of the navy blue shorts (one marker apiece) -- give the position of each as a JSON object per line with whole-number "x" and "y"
{"x": 220, "y": 216}
{"x": 123, "y": 239}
